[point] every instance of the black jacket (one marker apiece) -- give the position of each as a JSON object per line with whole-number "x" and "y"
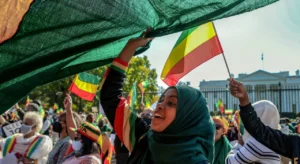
{"x": 110, "y": 97}
{"x": 287, "y": 145}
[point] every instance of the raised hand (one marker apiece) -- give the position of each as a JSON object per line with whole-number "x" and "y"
{"x": 132, "y": 45}
{"x": 139, "y": 41}
{"x": 238, "y": 90}
{"x": 68, "y": 102}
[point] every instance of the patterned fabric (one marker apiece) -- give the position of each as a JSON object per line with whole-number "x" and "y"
{"x": 124, "y": 124}
{"x": 252, "y": 152}
{"x": 9, "y": 145}
{"x": 90, "y": 131}
{"x": 22, "y": 146}
{"x": 87, "y": 159}
{"x": 59, "y": 152}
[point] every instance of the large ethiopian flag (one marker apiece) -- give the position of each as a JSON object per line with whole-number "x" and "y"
{"x": 194, "y": 47}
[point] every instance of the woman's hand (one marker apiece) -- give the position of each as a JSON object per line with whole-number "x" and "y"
{"x": 240, "y": 139}
{"x": 139, "y": 41}
{"x": 68, "y": 102}
{"x": 133, "y": 44}
{"x": 27, "y": 161}
{"x": 238, "y": 90}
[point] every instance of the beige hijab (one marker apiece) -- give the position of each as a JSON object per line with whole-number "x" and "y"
{"x": 268, "y": 114}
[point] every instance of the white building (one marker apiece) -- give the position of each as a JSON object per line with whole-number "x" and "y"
{"x": 280, "y": 88}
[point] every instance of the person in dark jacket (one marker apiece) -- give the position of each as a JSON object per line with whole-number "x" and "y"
{"x": 181, "y": 131}
{"x": 287, "y": 145}
{"x": 122, "y": 154}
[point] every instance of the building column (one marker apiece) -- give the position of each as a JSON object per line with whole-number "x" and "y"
{"x": 253, "y": 93}
{"x": 283, "y": 98}
{"x": 268, "y": 91}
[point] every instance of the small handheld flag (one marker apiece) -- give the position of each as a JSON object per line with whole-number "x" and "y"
{"x": 55, "y": 106}
{"x": 142, "y": 86}
{"x": 85, "y": 86}
{"x": 220, "y": 106}
{"x": 238, "y": 122}
{"x": 28, "y": 101}
{"x": 131, "y": 98}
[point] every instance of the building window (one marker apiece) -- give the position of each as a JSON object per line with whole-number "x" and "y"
{"x": 274, "y": 93}
{"x": 260, "y": 92}
{"x": 294, "y": 108}
{"x": 215, "y": 94}
{"x": 248, "y": 88}
{"x": 206, "y": 94}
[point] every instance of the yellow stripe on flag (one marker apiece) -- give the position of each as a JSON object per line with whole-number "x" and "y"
{"x": 87, "y": 87}
{"x": 199, "y": 36}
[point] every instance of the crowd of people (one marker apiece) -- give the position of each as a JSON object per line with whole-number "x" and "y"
{"x": 179, "y": 130}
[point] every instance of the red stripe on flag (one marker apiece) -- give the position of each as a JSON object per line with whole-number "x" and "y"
{"x": 119, "y": 119}
{"x": 198, "y": 56}
{"x": 80, "y": 93}
{"x": 121, "y": 62}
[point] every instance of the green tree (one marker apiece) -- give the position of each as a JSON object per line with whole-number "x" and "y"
{"x": 139, "y": 70}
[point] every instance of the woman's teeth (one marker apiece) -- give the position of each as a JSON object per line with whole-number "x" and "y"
{"x": 156, "y": 115}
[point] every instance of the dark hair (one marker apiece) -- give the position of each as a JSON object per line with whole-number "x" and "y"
{"x": 38, "y": 102}
{"x": 101, "y": 123}
{"x": 76, "y": 117}
{"x": 90, "y": 114}
{"x": 89, "y": 146}
{"x": 33, "y": 107}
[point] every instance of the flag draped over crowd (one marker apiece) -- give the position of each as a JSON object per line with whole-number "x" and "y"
{"x": 56, "y": 39}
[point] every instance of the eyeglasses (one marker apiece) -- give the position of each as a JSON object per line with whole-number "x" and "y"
{"x": 218, "y": 127}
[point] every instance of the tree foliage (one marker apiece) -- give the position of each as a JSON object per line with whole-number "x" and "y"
{"x": 139, "y": 70}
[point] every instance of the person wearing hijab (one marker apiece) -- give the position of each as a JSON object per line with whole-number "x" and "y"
{"x": 250, "y": 150}
{"x": 222, "y": 145}
{"x": 181, "y": 130}
{"x": 283, "y": 144}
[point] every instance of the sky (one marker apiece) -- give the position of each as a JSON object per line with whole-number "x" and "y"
{"x": 273, "y": 30}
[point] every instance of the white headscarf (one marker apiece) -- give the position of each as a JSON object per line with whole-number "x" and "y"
{"x": 268, "y": 114}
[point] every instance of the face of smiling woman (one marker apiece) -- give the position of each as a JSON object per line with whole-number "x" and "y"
{"x": 165, "y": 111}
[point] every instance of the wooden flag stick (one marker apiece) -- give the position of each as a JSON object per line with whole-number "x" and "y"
{"x": 142, "y": 100}
{"x": 223, "y": 53}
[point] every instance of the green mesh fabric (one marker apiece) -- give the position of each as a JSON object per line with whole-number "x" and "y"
{"x": 59, "y": 38}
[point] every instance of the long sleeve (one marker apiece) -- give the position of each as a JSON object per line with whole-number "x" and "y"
{"x": 62, "y": 152}
{"x": 252, "y": 152}
{"x": 46, "y": 125}
{"x": 274, "y": 139}
{"x": 128, "y": 127}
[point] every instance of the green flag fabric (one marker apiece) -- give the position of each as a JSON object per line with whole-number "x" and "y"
{"x": 59, "y": 38}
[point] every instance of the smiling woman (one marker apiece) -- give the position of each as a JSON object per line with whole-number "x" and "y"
{"x": 165, "y": 111}
{"x": 181, "y": 131}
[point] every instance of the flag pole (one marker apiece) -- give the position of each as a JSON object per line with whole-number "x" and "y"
{"x": 222, "y": 52}
{"x": 262, "y": 61}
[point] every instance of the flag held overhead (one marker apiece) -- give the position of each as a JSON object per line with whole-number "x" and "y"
{"x": 194, "y": 47}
